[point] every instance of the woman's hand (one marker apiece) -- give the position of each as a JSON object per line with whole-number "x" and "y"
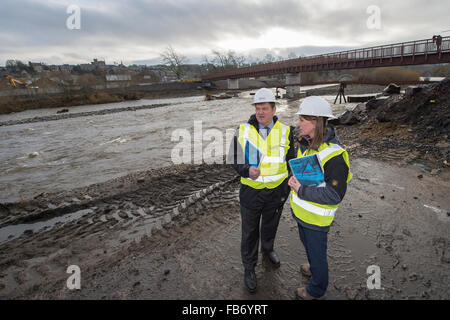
{"x": 294, "y": 184}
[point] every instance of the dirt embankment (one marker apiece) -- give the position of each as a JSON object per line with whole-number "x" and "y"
{"x": 412, "y": 128}
{"x": 69, "y": 99}
{"x": 21, "y": 103}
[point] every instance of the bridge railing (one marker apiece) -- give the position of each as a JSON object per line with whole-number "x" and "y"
{"x": 403, "y": 49}
{"x": 411, "y": 48}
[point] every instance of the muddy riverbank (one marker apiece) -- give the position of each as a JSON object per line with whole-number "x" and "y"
{"x": 21, "y": 103}
{"x": 69, "y": 98}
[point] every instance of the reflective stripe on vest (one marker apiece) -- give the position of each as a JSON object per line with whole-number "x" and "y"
{"x": 276, "y": 163}
{"x": 327, "y": 151}
{"x": 316, "y": 213}
{"x": 312, "y": 208}
{"x": 267, "y": 179}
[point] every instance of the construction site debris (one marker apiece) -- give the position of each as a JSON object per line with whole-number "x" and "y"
{"x": 412, "y": 90}
{"x": 209, "y": 97}
{"x": 349, "y": 118}
{"x": 359, "y": 98}
{"x": 410, "y": 128}
{"x": 428, "y": 109}
{"x": 392, "y": 88}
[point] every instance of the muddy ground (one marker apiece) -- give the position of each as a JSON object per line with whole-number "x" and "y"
{"x": 174, "y": 233}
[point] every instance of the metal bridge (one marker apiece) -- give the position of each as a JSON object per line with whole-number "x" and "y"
{"x": 398, "y": 54}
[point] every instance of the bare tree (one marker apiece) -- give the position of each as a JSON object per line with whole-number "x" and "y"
{"x": 174, "y": 61}
{"x": 240, "y": 61}
{"x": 292, "y": 55}
{"x": 208, "y": 65}
{"x": 268, "y": 58}
{"x": 228, "y": 60}
{"x": 220, "y": 59}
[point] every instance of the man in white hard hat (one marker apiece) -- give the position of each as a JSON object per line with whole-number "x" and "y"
{"x": 259, "y": 154}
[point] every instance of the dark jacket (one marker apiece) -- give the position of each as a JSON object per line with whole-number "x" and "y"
{"x": 335, "y": 172}
{"x": 255, "y": 198}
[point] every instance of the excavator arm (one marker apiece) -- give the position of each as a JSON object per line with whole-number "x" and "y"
{"x": 16, "y": 81}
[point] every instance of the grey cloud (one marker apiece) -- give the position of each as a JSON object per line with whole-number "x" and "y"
{"x": 37, "y": 28}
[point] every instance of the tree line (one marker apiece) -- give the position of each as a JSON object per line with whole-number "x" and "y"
{"x": 217, "y": 61}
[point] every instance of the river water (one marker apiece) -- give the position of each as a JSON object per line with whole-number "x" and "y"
{"x": 50, "y": 156}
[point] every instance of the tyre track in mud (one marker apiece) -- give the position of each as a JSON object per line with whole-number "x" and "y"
{"x": 104, "y": 226}
{"x": 151, "y": 199}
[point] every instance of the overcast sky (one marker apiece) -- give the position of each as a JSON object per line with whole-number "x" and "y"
{"x": 137, "y": 31}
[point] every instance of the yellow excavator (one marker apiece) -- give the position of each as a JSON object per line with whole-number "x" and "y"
{"x": 17, "y": 82}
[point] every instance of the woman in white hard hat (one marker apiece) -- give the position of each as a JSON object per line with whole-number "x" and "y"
{"x": 314, "y": 207}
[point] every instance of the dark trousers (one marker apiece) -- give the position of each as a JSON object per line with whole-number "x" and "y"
{"x": 269, "y": 216}
{"x": 260, "y": 214}
{"x": 315, "y": 243}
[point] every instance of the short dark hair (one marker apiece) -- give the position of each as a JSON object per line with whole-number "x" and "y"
{"x": 272, "y": 104}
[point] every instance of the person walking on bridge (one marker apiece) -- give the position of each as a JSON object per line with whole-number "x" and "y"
{"x": 259, "y": 154}
{"x": 314, "y": 207}
{"x": 438, "y": 40}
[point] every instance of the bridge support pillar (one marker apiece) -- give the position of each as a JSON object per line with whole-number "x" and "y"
{"x": 293, "y": 92}
{"x": 233, "y": 83}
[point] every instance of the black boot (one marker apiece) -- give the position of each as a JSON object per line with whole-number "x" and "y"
{"x": 250, "y": 280}
{"x": 273, "y": 258}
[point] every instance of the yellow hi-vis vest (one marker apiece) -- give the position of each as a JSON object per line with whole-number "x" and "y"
{"x": 273, "y": 166}
{"x": 315, "y": 213}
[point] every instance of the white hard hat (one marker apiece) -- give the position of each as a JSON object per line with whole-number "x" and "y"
{"x": 264, "y": 95}
{"x": 315, "y": 106}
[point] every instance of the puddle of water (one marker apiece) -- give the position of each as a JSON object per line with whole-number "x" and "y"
{"x": 360, "y": 246}
{"x": 14, "y": 231}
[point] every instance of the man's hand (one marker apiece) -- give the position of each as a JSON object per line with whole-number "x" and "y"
{"x": 294, "y": 184}
{"x": 254, "y": 173}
